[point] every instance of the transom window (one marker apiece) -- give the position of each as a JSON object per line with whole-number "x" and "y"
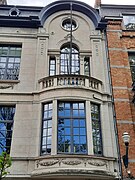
{"x": 72, "y": 128}
{"x": 46, "y": 129}
{"x": 96, "y": 129}
{"x": 69, "y": 60}
{"x": 68, "y": 23}
{"x": 10, "y": 57}
{"x": 6, "y": 127}
{"x": 131, "y": 57}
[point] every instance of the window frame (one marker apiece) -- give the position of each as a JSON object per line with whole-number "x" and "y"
{"x": 72, "y": 135}
{"x": 100, "y": 129}
{"x": 7, "y": 122}
{"x": 11, "y": 61}
{"x": 87, "y": 58}
{"x": 68, "y": 63}
{"x": 125, "y": 17}
{"x": 52, "y": 64}
{"x": 132, "y": 66}
{"x": 42, "y": 128}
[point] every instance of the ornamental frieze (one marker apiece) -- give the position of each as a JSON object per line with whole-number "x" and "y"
{"x": 71, "y": 162}
{"x": 47, "y": 163}
{"x": 5, "y": 86}
{"x": 97, "y": 163}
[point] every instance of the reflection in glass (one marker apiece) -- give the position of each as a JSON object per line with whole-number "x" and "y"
{"x": 6, "y": 127}
{"x": 131, "y": 57}
{"x": 46, "y": 129}
{"x": 9, "y": 62}
{"x": 69, "y": 60}
{"x": 72, "y": 128}
{"x": 129, "y": 22}
{"x": 96, "y": 129}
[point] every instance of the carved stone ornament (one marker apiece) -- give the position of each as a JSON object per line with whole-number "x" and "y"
{"x": 71, "y": 162}
{"x": 47, "y": 163}
{"x": 97, "y": 163}
{"x": 6, "y": 86}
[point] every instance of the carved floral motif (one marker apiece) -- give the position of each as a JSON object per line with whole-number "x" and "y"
{"x": 97, "y": 163}
{"x": 5, "y": 86}
{"x": 47, "y": 163}
{"x": 71, "y": 162}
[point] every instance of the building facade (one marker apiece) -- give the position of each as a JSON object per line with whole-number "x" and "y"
{"x": 121, "y": 53}
{"x": 56, "y": 108}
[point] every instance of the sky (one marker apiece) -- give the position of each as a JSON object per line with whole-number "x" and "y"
{"x": 45, "y": 2}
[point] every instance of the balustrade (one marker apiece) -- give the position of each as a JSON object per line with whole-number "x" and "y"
{"x": 70, "y": 80}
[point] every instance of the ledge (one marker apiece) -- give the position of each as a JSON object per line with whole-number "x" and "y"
{"x": 75, "y": 165}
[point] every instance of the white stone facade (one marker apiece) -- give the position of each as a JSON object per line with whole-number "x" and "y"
{"x": 35, "y": 87}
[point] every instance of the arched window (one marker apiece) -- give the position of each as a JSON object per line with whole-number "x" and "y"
{"x": 69, "y": 60}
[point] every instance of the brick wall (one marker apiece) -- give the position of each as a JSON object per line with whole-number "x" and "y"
{"x": 119, "y": 43}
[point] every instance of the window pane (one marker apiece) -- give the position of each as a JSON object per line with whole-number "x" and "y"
{"x": 131, "y": 57}
{"x": 69, "y": 61}
{"x": 71, "y": 128}
{"x": 129, "y": 22}
{"x": 11, "y": 59}
{"x": 52, "y": 68}
{"x": 6, "y": 127}
{"x": 86, "y": 66}
{"x": 96, "y": 129}
{"x": 46, "y": 129}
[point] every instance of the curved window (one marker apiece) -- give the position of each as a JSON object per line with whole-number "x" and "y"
{"x": 72, "y": 128}
{"x": 69, "y": 60}
{"x": 68, "y": 23}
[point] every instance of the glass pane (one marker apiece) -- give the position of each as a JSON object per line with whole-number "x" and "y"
{"x": 67, "y": 122}
{"x": 76, "y": 131}
{"x": 75, "y": 123}
{"x": 82, "y": 123}
{"x": 49, "y": 131}
{"x": 49, "y": 140}
{"x": 75, "y": 113}
{"x": 76, "y": 140}
{"x": 45, "y": 124}
{"x": 129, "y": 22}
{"x": 82, "y": 139}
{"x": 82, "y": 131}
{"x": 45, "y": 132}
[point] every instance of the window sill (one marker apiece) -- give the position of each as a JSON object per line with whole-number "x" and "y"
{"x": 9, "y": 81}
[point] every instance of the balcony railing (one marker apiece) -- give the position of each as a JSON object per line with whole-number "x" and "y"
{"x": 70, "y": 81}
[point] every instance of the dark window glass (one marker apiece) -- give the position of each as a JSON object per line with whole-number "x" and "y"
{"x": 52, "y": 69}
{"x": 66, "y": 24}
{"x": 10, "y": 57}
{"x": 46, "y": 129}
{"x": 87, "y": 66}
{"x": 69, "y": 61}
{"x": 129, "y": 22}
{"x": 96, "y": 129}
{"x": 132, "y": 64}
{"x": 72, "y": 128}
{"x": 6, "y": 127}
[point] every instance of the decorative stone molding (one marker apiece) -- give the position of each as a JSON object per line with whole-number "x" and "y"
{"x": 6, "y": 86}
{"x": 71, "y": 162}
{"x": 74, "y": 165}
{"x": 97, "y": 163}
{"x": 47, "y": 163}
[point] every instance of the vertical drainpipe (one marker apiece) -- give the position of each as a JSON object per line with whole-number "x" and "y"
{"x": 113, "y": 108}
